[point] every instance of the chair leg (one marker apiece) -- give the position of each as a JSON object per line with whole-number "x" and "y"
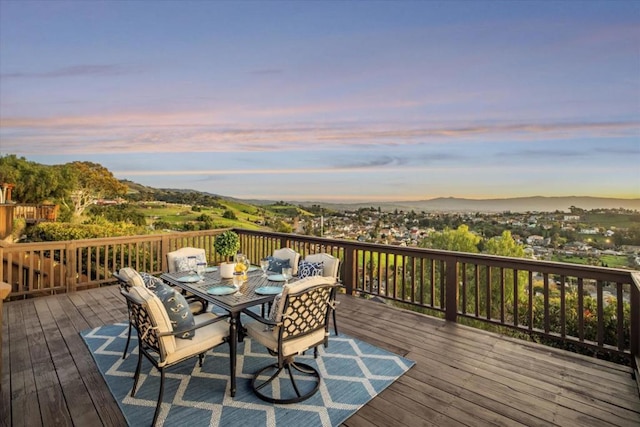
{"x": 136, "y": 377}
{"x": 300, "y": 367}
{"x": 160, "y": 394}
{"x": 126, "y": 347}
{"x": 201, "y": 359}
{"x": 293, "y": 380}
{"x": 335, "y": 324}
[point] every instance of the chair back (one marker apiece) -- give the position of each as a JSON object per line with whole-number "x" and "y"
{"x": 304, "y": 309}
{"x": 129, "y": 277}
{"x": 150, "y": 319}
{"x": 177, "y": 260}
{"x": 330, "y": 264}
{"x": 291, "y": 255}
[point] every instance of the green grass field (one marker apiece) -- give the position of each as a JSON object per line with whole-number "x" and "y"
{"x": 248, "y": 216}
{"x": 613, "y": 261}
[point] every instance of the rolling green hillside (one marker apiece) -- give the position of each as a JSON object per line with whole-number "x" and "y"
{"x": 189, "y": 209}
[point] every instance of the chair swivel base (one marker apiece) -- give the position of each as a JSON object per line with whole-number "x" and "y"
{"x": 309, "y": 372}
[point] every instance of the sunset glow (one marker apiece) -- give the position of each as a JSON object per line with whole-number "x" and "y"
{"x": 330, "y": 101}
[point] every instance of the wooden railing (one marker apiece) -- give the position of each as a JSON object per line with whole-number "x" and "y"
{"x": 596, "y": 309}
{"x": 35, "y": 269}
{"x": 33, "y": 213}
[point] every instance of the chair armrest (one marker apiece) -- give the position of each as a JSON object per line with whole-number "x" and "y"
{"x": 121, "y": 281}
{"x": 201, "y": 325}
{"x": 260, "y": 318}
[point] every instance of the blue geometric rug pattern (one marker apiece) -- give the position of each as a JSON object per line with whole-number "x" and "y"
{"x": 353, "y": 372}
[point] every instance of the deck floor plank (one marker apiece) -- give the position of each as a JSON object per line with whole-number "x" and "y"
{"x": 462, "y": 376}
{"x": 24, "y": 395}
{"x": 89, "y": 384}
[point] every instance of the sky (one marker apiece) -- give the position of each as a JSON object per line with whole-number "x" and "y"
{"x": 334, "y": 101}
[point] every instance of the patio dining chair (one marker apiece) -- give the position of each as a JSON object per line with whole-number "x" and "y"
{"x": 127, "y": 278}
{"x": 180, "y": 260}
{"x": 297, "y": 323}
{"x": 291, "y": 255}
{"x": 162, "y": 344}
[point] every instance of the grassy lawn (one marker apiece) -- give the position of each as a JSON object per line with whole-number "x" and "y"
{"x": 247, "y": 215}
{"x": 613, "y": 261}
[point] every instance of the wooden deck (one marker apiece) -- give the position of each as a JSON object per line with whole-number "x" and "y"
{"x": 462, "y": 376}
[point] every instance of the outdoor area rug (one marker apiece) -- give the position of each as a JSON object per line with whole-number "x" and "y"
{"x": 353, "y": 372}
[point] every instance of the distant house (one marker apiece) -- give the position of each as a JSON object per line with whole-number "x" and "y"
{"x": 588, "y": 231}
{"x": 535, "y": 239}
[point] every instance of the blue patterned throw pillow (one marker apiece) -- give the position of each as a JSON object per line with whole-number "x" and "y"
{"x": 151, "y": 281}
{"x": 178, "y": 310}
{"x": 307, "y": 269}
{"x": 276, "y": 264}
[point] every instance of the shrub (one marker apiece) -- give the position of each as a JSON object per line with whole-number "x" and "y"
{"x": 57, "y": 231}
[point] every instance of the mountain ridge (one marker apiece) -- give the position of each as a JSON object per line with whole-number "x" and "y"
{"x": 445, "y": 204}
{"x": 513, "y": 204}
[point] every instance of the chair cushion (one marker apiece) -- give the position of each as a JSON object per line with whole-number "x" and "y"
{"x": 269, "y": 339}
{"x": 277, "y": 264}
{"x": 132, "y": 277}
{"x": 308, "y": 269}
{"x": 208, "y": 337}
{"x": 177, "y": 309}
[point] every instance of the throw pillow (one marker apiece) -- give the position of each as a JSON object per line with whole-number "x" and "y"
{"x": 151, "y": 281}
{"x": 177, "y": 309}
{"x": 183, "y": 263}
{"x": 275, "y": 306}
{"x": 308, "y": 269}
{"x": 276, "y": 264}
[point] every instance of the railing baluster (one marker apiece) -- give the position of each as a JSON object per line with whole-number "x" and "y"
{"x": 600, "y": 302}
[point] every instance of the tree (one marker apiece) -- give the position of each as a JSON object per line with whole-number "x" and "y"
{"x": 90, "y": 182}
{"x": 460, "y": 239}
{"x": 34, "y": 183}
{"x": 229, "y": 214}
{"x": 504, "y": 245}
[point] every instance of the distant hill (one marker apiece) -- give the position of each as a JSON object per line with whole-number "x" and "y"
{"x": 442, "y": 204}
{"x": 518, "y": 204}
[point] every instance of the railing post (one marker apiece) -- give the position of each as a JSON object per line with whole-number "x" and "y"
{"x": 71, "y": 267}
{"x": 164, "y": 250}
{"x": 348, "y": 272}
{"x": 635, "y": 325}
{"x": 451, "y": 289}
{"x": 5, "y": 289}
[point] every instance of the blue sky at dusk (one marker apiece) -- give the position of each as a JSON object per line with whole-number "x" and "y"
{"x": 330, "y": 101}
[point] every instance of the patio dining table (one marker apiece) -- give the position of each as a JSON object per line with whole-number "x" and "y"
{"x": 233, "y": 303}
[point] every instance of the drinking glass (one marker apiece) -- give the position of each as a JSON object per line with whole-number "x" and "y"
{"x": 247, "y": 264}
{"x": 238, "y": 280}
{"x": 287, "y": 274}
{"x": 200, "y": 268}
{"x": 264, "y": 265}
